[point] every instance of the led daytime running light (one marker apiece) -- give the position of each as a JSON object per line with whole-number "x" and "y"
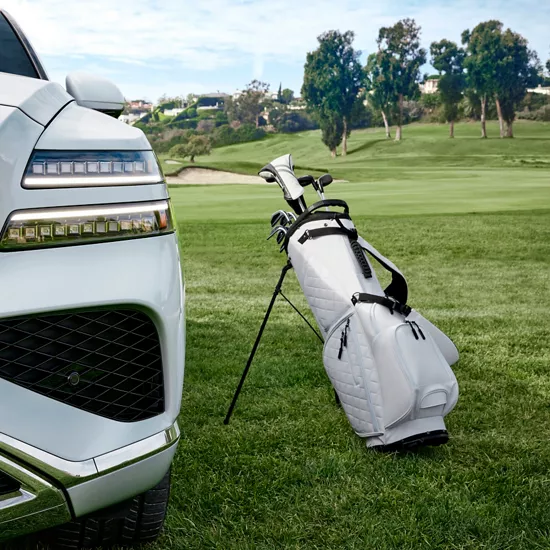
{"x": 51, "y": 169}
{"x": 82, "y": 225}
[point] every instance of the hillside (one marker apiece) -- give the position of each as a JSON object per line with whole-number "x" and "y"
{"x": 373, "y": 158}
{"x": 425, "y": 173}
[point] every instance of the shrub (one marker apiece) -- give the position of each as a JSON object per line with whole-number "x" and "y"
{"x": 206, "y": 125}
{"x": 541, "y": 115}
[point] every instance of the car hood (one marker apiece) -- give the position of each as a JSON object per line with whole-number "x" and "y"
{"x": 40, "y": 100}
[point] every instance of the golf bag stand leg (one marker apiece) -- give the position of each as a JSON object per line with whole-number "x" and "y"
{"x": 284, "y": 271}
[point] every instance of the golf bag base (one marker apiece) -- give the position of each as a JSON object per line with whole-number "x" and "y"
{"x": 428, "y": 439}
{"x": 389, "y": 366}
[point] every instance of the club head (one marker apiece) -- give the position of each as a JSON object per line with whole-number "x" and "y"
{"x": 280, "y": 231}
{"x": 325, "y": 180}
{"x": 292, "y": 216}
{"x": 280, "y": 218}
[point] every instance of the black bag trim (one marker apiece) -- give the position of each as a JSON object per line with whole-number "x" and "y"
{"x": 317, "y": 216}
{"x": 351, "y": 234}
{"x": 392, "y": 305}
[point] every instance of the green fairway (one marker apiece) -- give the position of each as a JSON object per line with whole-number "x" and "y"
{"x": 288, "y": 472}
{"x": 372, "y": 158}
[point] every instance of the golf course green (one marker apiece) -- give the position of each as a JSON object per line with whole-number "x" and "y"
{"x": 468, "y": 222}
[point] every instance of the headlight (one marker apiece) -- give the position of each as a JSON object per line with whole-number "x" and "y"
{"x": 48, "y": 169}
{"x": 87, "y": 224}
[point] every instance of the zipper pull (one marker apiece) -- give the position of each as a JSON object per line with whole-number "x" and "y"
{"x": 341, "y": 350}
{"x": 346, "y": 334}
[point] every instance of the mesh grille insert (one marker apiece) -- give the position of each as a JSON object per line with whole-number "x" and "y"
{"x": 105, "y": 362}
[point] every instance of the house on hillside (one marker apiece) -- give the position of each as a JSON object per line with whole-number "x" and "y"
{"x": 544, "y": 90}
{"x": 173, "y": 112}
{"x": 212, "y": 102}
{"x": 430, "y": 86}
{"x": 132, "y": 117}
{"x": 140, "y": 105}
{"x": 297, "y": 104}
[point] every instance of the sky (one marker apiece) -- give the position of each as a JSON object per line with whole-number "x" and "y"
{"x": 175, "y": 47}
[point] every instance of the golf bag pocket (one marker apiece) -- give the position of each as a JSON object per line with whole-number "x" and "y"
{"x": 415, "y": 378}
{"x": 351, "y": 370}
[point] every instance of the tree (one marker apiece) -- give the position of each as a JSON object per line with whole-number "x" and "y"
{"x": 400, "y": 58}
{"x": 517, "y": 69}
{"x": 448, "y": 58}
{"x": 247, "y": 108}
{"x": 287, "y": 95}
{"x": 482, "y": 46}
{"x": 196, "y": 146}
{"x": 332, "y": 80}
{"x": 381, "y": 93}
{"x": 332, "y": 132}
{"x": 280, "y": 93}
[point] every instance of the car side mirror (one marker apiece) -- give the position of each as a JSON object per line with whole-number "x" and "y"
{"x": 95, "y": 92}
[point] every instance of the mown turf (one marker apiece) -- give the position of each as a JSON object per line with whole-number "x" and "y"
{"x": 372, "y": 158}
{"x": 288, "y": 472}
{"x": 474, "y": 243}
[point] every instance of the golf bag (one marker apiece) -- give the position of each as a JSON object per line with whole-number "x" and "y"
{"x": 390, "y": 366}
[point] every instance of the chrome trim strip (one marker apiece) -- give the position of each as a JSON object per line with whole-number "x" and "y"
{"x": 72, "y": 473}
{"x": 139, "y": 450}
{"x": 38, "y": 457}
{"x": 87, "y": 181}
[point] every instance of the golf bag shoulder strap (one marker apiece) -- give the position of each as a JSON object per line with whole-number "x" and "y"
{"x": 392, "y": 305}
{"x": 398, "y": 288}
{"x": 351, "y": 234}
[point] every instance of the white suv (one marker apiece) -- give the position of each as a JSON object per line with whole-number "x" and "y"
{"x": 92, "y": 330}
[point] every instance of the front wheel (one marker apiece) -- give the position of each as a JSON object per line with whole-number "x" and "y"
{"x": 137, "y": 521}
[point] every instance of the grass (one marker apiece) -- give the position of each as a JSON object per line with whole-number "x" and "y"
{"x": 372, "y": 158}
{"x": 474, "y": 242}
{"x": 473, "y": 237}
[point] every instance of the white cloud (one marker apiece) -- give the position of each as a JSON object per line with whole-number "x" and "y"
{"x": 206, "y": 36}
{"x": 215, "y": 33}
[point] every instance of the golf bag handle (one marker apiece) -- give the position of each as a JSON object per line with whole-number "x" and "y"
{"x": 323, "y": 204}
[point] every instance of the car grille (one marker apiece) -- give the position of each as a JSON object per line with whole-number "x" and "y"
{"x": 107, "y": 362}
{"x": 8, "y": 484}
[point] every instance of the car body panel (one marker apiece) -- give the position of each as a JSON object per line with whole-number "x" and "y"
{"x": 40, "y": 100}
{"x": 121, "y": 485}
{"x": 67, "y": 461}
{"x": 143, "y": 273}
{"x": 79, "y": 128}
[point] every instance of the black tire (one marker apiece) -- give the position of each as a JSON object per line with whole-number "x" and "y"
{"x": 131, "y": 523}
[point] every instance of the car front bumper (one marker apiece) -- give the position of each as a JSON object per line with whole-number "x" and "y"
{"x": 52, "y": 490}
{"x": 70, "y": 462}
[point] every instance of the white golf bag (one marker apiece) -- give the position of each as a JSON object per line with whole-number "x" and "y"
{"x": 390, "y": 367}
